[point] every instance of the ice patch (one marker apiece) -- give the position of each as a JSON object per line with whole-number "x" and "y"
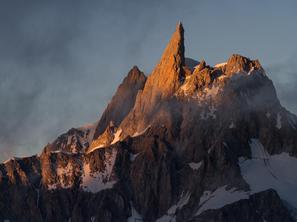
{"x": 195, "y": 166}
{"x": 100, "y": 180}
{"x": 264, "y": 171}
{"x": 219, "y": 198}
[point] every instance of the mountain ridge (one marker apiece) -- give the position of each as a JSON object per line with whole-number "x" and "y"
{"x": 182, "y": 144}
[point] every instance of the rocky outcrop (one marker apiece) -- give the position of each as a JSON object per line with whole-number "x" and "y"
{"x": 237, "y": 63}
{"x": 73, "y": 141}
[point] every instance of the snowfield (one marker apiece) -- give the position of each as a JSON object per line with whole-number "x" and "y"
{"x": 264, "y": 171}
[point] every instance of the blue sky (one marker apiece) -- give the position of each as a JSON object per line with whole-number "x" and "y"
{"x": 61, "y": 61}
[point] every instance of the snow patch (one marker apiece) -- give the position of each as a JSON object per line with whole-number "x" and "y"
{"x": 232, "y": 125}
{"x": 185, "y": 87}
{"x": 279, "y": 121}
{"x": 62, "y": 151}
{"x": 117, "y": 136}
{"x": 6, "y": 161}
{"x": 257, "y": 149}
{"x": 211, "y": 92}
{"x": 89, "y": 131}
{"x": 251, "y": 71}
{"x": 268, "y": 114}
{"x": 292, "y": 120}
{"x": 100, "y": 180}
{"x": 142, "y": 132}
{"x": 135, "y": 217}
{"x": 195, "y": 166}
{"x": 15, "y": 159}
{"x": 264, "y": 171}
{"x": 210, "y": 114}
{"x": 171, "y": 212}
{"x": 222, "y": 77}
{"x": 219, "y": 198}
{"x": 96, "y": 147}
{"x": 133, "y": 156}
{"x": 220, "y": 64}
{"x": 64, "y": 175}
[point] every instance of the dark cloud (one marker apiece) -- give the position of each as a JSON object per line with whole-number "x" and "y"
{"x": 60, "y": 62}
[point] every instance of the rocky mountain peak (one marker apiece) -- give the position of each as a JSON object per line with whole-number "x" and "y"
{"x": 123, "y": 100}
{"x": 168, "y": 74}
{"x": 199, "y": 67}
{"x": 134, "y": 76}
{"x": 237, "y": 63}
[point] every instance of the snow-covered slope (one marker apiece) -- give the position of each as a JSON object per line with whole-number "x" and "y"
{"x": 263, "y": 171}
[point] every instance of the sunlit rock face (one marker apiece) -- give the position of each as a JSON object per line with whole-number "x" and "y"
{"x": 190, "y": 142}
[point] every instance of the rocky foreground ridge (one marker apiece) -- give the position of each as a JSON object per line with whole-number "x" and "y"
{"x": 190, "y": 142}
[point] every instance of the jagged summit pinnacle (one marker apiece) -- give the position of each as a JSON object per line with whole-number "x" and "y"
{"x": 134, "y": 75}
{"x": 237, "y": 63}
{"x": 180, "y": 28}
{"x": 123, "y": 100}
{"x": 166, "y": 76}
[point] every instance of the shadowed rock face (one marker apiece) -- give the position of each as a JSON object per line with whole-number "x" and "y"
{"x": 123, "y": 100}
{"x": 268, "y": 204}
{"x": 168, "y": 147}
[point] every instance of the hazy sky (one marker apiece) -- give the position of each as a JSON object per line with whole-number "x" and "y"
{"x": 61, "y": 61}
